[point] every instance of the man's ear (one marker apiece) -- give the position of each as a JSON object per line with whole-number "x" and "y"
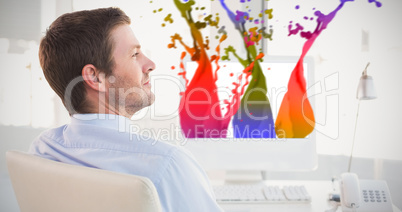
{"x": 94, "y": 78}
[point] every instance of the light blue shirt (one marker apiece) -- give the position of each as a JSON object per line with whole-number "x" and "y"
{"x": 105, "y": 142}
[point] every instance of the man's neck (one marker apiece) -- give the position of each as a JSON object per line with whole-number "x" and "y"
{"x": 99, "y": 104}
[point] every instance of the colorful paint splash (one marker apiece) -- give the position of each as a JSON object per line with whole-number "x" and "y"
{"x": 296, "y": 117}
{"x": 254, "y": 118}
{"x": 201, "y": 115}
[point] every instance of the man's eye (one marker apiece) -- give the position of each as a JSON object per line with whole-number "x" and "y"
{"x": 135, "y": 54}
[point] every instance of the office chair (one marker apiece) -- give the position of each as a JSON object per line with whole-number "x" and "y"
{"x": 43, "y": 185}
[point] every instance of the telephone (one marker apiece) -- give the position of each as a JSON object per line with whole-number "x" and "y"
{"x": 364, "y": 195}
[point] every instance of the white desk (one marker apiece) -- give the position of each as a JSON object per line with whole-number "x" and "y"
{"x": 318, "y": 190}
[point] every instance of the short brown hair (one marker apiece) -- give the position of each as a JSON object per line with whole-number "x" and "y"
{"x": 74, "y": 40}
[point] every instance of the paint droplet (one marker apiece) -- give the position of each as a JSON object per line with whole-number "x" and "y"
{"x": 168, "y": 18}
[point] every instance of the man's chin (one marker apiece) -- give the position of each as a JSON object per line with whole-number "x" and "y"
{"x": 151, "y": 99}
{"x": 136, "y": 107}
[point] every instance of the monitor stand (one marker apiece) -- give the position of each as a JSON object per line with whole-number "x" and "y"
{"x": 243, "y": 177}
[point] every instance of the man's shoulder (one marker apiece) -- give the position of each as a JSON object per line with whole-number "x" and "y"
{"x": 51, "y": 133}
{"x": 107, "y": 139}
{"x": 45, "y": 140}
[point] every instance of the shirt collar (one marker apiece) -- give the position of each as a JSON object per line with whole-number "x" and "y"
{"x": 112, "y": 121}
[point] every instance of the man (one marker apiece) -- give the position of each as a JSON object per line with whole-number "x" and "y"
{"x": 93, "y": 61}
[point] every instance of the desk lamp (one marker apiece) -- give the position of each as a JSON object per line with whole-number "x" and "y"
{"x": 365, "y": 91}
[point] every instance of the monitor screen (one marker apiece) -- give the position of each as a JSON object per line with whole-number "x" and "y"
{"x": 269, "y": 154}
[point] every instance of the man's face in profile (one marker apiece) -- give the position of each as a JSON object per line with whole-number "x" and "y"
{"x": 129, "y": 85}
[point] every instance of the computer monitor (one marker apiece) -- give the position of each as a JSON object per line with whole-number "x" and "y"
{"x": 267, "y": 154}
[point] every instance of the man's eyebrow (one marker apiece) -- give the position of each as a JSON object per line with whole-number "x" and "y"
{"x": 135, "y": 47}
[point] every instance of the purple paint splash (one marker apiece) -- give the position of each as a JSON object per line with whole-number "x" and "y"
{"x": 322, "y": 23}
{"x": 377, "y": 3}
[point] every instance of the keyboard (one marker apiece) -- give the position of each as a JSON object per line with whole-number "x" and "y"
{"x": 261, "y": 193}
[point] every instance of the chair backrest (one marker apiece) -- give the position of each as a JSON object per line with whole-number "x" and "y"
{"x": 43, "y": 185}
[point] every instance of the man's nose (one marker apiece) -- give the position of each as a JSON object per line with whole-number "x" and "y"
{"x": 149, "y": 66}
